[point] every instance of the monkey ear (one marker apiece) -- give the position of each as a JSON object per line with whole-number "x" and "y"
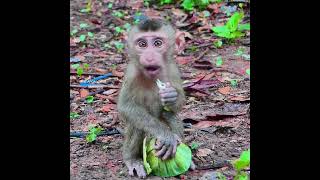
{"x": 180, "y": 41}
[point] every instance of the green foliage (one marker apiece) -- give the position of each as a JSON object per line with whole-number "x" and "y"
{"x": 107, "y": 46}
{"x": 82, "y": 38}
{"x": 218, "y": 44}
{"x": 89, "y": 99}
{"x": 162, "y": 2}
{"x": 90, "y": 34}
{"x": 118, "y": 14}
{"x": 84, "y": 25}
{"x": 194, "y": 145}
{"x": 240, "y": 164}
{"x": 190, "y": 5}
{"x": 93, "y": 133}
{"x": 119, "y": 46}
{"x": 75, "y": 66}
{"x": 74, "y": 115}
{"x": 248, "y": 71}
{"x": 73, "y": 32}
{"x": 231, "y": 30}
{"x": 110, "y": 5}
{"x": 239, "y": 51}
{"x": 233, "y": 82}
{"x": 86, "y": 66}
{"x": 127, "y": 26}
{"x": 170, "y": 167}
{"x": 80, "y": 71}
{"x": 219, "y": 61}
{"x": 118, "y": 30}
{"x": 193, "y": 48}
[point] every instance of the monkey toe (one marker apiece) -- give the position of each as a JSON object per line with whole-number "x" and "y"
{"x": 141, "y": 172}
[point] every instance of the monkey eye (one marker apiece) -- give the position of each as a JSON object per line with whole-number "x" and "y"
{"x": 158, "y": 43}
{"x": 142, "y": 43}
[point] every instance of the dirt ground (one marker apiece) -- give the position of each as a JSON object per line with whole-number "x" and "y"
{"x": 217, "y": 111}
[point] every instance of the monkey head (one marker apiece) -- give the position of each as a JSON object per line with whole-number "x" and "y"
{"x": 151, "y": 46}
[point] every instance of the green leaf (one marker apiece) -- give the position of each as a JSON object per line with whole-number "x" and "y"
{"x": 241, "y": 176}
{"x": 91, "y": 137}
{"x": 82, "y": 37}
{"x": 119, "y": 45}
{"x": 233, "y": 82}
{"x": 217, "y": 44}
{"x": 248, "y": 71}
{"x": 89, "y": 99}
{"x": 145, "y": 163}
{"x": 79, "y": 71}
{"x": 221, "y": 31}
{"x": 127, "y": 26}
{"x": 202, "y": 3}
{"x": 86, "y": 66}
{"x": 106, "y": 45}
{"x": 85, "y": 10}
{"x": 246, "y": 56}
{"x": 75, "y": 66}
{"x": 73, "y": 32}
{"x": 188, "y": 5}
{"x": 243, "y": 161}
{"x": 194, "y": 145}
{"x": 219, "y": 61}
{"x": 118, "y": 30}
{"x": 239, "y": 51}
{"x": 118, "y": 14}
{"x": 170, "y": 167}
{"x": 83, "y": 25}
{"x": 234, "y": 20}
{"x": 74, "y": 115}
{"x": 90, "y": 34}
{"x": 243, "y": 27}
{"x": 110, "y": 5}
{"x": 165, "y": 2}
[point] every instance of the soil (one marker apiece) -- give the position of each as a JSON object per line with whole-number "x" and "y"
{"x": 228, "y": 112}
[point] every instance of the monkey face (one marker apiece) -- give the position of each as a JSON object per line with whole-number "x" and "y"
{"x": 150, "y": 48}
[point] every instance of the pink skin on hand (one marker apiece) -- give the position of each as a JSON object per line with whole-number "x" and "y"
{"x": 168, "y": 95}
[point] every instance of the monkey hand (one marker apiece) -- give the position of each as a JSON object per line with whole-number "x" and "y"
{"x": 166, "y": 147}
{"x": 168, "y": 95}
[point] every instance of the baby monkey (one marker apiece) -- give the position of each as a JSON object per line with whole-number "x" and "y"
{"x": 151, "y": 46}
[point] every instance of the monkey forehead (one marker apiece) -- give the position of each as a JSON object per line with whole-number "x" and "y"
{"x": 150, "y": 34}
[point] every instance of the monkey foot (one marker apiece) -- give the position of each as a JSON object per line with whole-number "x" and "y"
{"x": 138, "y": 168}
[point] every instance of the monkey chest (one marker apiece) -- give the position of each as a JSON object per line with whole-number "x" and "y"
{"x": 150, "y": 100}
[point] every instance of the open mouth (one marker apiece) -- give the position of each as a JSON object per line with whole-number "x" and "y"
{"x": 152, "y": 70}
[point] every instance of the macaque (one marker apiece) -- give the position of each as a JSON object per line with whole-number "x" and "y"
{"x": 151, "y": 56}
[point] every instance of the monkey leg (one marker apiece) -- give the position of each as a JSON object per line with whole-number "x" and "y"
{"x": 132, "y": 152}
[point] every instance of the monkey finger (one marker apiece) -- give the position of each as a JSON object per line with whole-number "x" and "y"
{"x": 174, "y": 150}
{"x": 158, "y": 145}
{"x": 162, "y": 151}
{"x": 168, "y": 153}
{"x": 169, "y": 94}
{"x": 169, "y": 101}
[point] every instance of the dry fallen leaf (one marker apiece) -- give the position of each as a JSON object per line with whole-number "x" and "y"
{"x": 184, "y": 59}
{"x": 84, "y": 93}
{"x": 108, "y": 107}
{"x": 99, "y": 70}
{"x": 117, "y": 73}
{"x": 204, "y": 152}
{"x": 110, "y": 91}
{"x": 225, "y": 90}
{"x": 204, "y": 124}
